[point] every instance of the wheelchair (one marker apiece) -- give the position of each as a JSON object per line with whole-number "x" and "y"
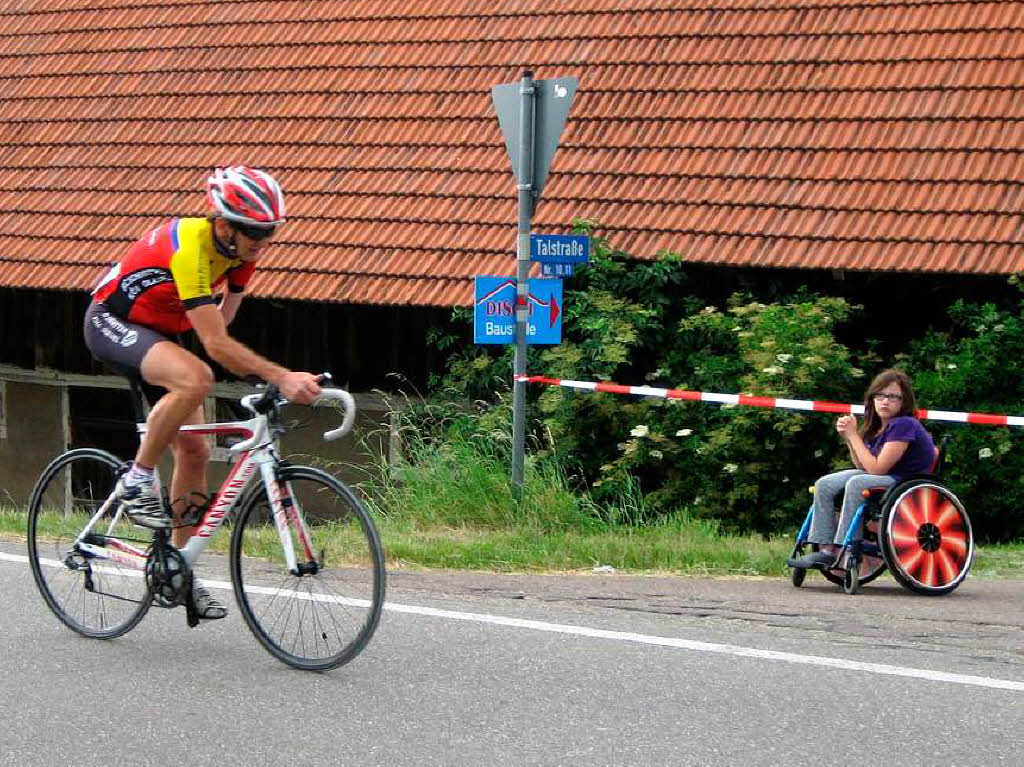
{"x": 916, "y": 528}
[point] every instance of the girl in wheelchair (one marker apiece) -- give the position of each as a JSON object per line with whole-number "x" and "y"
{"x": 890, "y": 445}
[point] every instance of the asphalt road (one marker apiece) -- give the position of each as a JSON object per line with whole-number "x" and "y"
{"x": 470, "y": 669}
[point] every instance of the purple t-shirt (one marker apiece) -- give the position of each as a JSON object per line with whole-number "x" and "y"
{"x": 920, "y": 452}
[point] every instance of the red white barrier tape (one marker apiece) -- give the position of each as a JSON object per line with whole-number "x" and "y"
{"x": 991, "y": 419}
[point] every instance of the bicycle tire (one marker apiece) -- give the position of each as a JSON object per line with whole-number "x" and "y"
{"x": 351, "y": 588}
{"x": 114, "y": 595}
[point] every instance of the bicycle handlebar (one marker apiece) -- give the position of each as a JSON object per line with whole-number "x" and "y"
{"x": 271, "y": 398}
{"x": 265, "y": 402}
{"x": 349, "y": 403}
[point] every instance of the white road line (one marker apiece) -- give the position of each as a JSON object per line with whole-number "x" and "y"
{"x": 647, "y": 639}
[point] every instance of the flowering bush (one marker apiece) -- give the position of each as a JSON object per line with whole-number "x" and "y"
{"x": 978, "y": 365}
{"x": 645, "y": 322}
{"x": 749, "y": 465}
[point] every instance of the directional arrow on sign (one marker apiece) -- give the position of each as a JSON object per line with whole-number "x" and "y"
{"x": 552, "y": 307}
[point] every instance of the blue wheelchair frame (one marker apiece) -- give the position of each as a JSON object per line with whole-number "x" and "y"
{"x": 854, "y": 548}
{"x": 950, "y": 534}
{"x": 850, "y": 543}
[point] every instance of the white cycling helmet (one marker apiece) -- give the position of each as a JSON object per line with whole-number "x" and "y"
{"x": 245, "y": 196}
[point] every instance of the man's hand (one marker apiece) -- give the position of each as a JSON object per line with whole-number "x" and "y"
{"x": 300, "y": 388}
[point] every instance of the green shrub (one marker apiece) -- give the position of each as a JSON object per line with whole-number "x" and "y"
{"x": 745, "y": 466}
{"x": 978, "y": 366}
{"x": 635, "y": 322}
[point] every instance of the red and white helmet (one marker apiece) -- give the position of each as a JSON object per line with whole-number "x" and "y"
{"x": 246, "y": 196}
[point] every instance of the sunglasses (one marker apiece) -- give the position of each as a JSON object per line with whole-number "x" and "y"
{"x": 255, "y": 233}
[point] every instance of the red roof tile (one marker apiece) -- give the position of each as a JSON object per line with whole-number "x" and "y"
{"x": 877, "y": 135}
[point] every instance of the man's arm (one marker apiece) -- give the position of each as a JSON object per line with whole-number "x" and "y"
{"x": 241, "y": 360}
{"x": 229, "y": 305}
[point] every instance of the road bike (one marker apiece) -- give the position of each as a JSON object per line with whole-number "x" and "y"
{"x": 305, "y": 559}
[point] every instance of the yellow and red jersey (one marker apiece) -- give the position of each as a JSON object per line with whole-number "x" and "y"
{"x": 173, "y": 269}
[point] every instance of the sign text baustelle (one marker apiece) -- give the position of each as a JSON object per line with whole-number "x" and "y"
{"x": 494, "y": 311}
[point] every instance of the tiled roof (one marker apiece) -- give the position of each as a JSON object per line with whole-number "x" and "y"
{"x": 827, "y": 134}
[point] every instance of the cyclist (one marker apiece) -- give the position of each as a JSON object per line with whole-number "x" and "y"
{"x": 165, "y": 286}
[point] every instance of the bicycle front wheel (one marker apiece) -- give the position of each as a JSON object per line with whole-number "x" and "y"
{"x": 323, "y": 614}
{"x": 88, "y": 566}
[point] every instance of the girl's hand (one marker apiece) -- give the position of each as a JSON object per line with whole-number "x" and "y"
{"x": 847, "y": 426}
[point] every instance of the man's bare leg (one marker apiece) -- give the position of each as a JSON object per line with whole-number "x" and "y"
{"x": 191, "y": 458}
{"x": 188, "y": 380}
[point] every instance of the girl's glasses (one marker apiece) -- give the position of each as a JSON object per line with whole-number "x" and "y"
{"x": 881, "y": 396}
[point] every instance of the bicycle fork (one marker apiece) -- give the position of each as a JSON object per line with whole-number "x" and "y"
{"x": 288, "y": 515}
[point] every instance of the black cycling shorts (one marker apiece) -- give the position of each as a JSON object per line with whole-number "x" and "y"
{"x": 121, "y": 345}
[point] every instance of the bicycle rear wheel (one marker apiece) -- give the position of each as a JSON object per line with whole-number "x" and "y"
{"x": 323, "y": 617}
{"x": 94, "y": 586}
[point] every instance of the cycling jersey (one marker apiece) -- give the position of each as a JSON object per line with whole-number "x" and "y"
{"x": 171, "y": 270}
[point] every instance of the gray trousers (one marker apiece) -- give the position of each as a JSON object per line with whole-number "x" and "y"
{"x": 824, "y": 528}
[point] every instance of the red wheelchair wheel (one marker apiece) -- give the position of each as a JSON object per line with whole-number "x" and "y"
{"x": 926, "y": 537}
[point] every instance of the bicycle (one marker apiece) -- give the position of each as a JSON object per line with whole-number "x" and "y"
{"x": 306, "y": 563}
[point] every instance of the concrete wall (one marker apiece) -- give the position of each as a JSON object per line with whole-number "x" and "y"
{"x": 35, "y": 436}
{"x": 351, "y": 457}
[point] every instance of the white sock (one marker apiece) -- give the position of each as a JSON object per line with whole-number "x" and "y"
{"x": 139, "y": 475}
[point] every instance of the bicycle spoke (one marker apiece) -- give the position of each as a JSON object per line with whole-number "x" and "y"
{"x": 317, "y": 619}
{"x": 291, "y": 607}
{"x": 323, "y": 632}
{"x": 299, "y": 635}
{"x": 117, "y": 601}
{"x": 274, "y": 594}
{"x": 71, "y": 586}
{"x": 319, "y": 628}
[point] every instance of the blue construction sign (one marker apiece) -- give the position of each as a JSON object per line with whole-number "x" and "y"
{"x": 494, "y": 311}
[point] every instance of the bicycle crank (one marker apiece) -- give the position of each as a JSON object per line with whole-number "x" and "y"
{"x": 168, "y": 575}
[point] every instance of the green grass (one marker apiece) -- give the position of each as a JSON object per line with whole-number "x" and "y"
{"x": 452, "y": 506}
{"x": 1003, "y": 560}
{"x": 680, "y": 546}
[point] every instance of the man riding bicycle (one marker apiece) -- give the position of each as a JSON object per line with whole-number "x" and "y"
{"x": 165, "y": 286}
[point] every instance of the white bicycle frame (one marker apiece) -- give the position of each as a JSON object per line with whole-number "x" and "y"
{"x": 256, "y": 452}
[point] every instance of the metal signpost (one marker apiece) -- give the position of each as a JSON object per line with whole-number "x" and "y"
{"x": 532, "y": 115}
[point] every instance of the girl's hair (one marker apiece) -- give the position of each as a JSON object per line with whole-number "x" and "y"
{"x": 872, "y": 423}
